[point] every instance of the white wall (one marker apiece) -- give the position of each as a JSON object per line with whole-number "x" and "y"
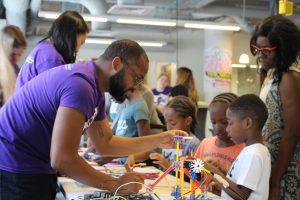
{"x": 190, "y": 54}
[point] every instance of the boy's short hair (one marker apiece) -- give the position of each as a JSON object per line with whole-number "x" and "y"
{"x": 252, "y": 106}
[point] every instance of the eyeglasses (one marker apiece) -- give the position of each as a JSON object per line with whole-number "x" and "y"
{"x": 266, "y": 51}
{"x": 137, "y": 78}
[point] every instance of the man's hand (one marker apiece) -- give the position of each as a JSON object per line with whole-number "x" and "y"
{"x": 167, "y": 138}
{"x": 131, "y": 188}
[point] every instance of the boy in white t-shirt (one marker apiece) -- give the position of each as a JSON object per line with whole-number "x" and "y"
{"x": 248, "y": 176}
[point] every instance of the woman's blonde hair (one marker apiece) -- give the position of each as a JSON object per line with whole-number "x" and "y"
{"x": 10, "y": 37}
{"x": 185, "y": 77}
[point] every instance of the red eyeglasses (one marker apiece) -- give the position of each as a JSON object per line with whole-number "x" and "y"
{"x": 266, "y": 51}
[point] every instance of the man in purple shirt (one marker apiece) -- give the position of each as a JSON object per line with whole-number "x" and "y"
{"x": 41, "y": 125}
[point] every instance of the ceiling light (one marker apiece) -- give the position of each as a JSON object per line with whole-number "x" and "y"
{"x": 92, "y": 18}
{"x": 242, "y": 66}
{"x": 151, "y": 44}
{"x": 109, "y": 41}
{"x": 212, "y": 26}
{"x": 98, "y": 41}
{"x": 146, "y": 22}
{"x": 48, "y": 15}
{"x": 86, "y": 17}
{"x": 244, "y": 58}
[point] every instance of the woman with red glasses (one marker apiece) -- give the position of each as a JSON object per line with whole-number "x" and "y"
{"x": 276, "y": 43}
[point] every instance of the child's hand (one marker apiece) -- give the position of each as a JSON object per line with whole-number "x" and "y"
{"x": 129, "y": 163}
{"x": 212, "y": 168}
{"x": 215, "y": 163}
{"x": 215, "y": 187}
{"x": 160, "y": 159}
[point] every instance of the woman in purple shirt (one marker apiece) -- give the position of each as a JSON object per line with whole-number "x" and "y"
{"x": 67, "y": 33}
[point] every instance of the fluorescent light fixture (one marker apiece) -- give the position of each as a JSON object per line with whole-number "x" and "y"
{"x": 86, "y": 17}
{"x": 93, "y": 18}
{"x": 147, "y": 22}
{"x": 212, "y": 26}
{"x": 98, "y": 41}
{"x": 48, "y": 15}
{"x": 242, "y": 66}
{"x": 109, "y": 41}
{"x": 151, "y": 44}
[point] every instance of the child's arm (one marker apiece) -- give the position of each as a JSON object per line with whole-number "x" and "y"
{"x": 143, "y": 127}
{"x": 232, "y": 189}
{"x": 137, "y": 158}
{"x": 160, "y": 160}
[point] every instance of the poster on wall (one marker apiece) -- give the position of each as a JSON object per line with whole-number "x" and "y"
{"x": 217, "y": 72}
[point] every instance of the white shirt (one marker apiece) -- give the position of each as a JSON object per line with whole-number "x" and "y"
{"x": 252, "y": 169}
{"x": 267, "y": 85}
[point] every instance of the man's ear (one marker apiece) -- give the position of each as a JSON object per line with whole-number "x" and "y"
{"x": 116, "y": 64}
{"x": 247, "y": 122}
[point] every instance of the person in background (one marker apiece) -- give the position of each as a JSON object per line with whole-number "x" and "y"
{"x": 162, "y": 91}
{"x": 219, "y": 150}
{"x": 276, "y": 43}
{"x": 249, "y": 174}
{"x": 156, "y": 124}
{"x": 185, "y": 78}
{"x": 179, "y": 90}
{"x": 134, "y": 120}
{"x": 42, "y": 123}
{"x": 180, "y": 113}
{"x": 66, "y": 35}
{"x": 176, "y": 91}
{"x": 12, "y": 45}
{"x": 115, "y": 109}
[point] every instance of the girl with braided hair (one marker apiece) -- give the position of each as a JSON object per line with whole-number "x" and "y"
{"x": 219, "y": 150}
{"x": 180, "y": 114}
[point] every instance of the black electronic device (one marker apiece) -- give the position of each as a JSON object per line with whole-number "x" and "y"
{"x": 101, "y": 195}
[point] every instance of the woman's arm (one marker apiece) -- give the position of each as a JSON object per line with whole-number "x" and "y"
{"x": 290, "y": 98}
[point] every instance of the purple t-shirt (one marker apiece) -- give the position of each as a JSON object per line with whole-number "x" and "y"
{"x": 27, "y": 118}
{"x": 161, "y": 98}
{"x": 44, "y": 56}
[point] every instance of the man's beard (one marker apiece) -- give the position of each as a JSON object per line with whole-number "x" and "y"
{"x": 116, "y": 86}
